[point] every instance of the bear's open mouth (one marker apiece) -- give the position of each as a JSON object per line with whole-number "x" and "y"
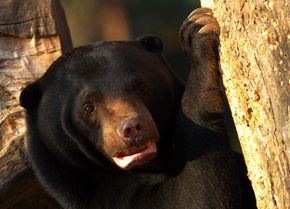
{"x": 136, "y": 155}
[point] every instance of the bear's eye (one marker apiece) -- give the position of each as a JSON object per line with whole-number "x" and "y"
{"x": 89, "y": 108}
{"x": 141, "y": 86}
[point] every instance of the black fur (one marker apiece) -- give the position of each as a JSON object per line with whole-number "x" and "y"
{"x": 194, "y": 168}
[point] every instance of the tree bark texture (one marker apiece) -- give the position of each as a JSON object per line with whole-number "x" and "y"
{"x": 32, "y": 35}
{"x": 254, "y": 57}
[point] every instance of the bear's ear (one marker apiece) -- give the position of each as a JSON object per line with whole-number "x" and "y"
{"x": 30, "y": 96}
{"x": 151, "y": 43}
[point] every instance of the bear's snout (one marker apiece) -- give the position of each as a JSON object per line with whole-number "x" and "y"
{"x": 131, "y": 129}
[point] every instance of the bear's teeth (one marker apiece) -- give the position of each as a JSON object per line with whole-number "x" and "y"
{"x": 131, "y": 151}
{"x": 138, "y": 158}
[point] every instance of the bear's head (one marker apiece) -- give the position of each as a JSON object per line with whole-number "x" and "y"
{"x": 109, "y": 101}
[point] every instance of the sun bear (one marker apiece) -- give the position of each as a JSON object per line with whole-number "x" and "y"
{"x": 111, "y": 127}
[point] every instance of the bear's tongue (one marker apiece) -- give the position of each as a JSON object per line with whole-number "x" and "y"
{"x": 125, "y": 160}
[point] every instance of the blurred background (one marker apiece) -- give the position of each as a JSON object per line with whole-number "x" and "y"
{"x": 95, "y": 20}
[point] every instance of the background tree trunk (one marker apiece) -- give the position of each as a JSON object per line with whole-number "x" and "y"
{"x": 95, "y": 20}
{"x": 32, "y": 35}
{"x": 114, "y": 20}
{"x": 254, "y": 58}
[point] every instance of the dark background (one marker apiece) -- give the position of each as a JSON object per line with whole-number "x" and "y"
{"x": 95, "y": 20}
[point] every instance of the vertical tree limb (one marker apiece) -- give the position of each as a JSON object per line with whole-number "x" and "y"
{"x": 32, "y": 35}
{"x": 254, "y": 58}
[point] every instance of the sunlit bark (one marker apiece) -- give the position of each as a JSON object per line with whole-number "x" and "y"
{"x": 254, "y": 58}
{"x": 30, "y": 40}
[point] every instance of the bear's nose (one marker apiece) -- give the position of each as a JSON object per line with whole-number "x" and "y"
{"x": 131, "y": 129}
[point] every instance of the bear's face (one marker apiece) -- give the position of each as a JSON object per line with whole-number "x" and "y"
{"x": 114, "y": 99}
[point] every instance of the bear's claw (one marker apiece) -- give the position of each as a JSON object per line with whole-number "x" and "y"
{"x": 198, "y": 30}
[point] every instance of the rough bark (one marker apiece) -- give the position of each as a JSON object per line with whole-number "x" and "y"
{"x": 32, "y": 35}
{"x": 254, "y": 56}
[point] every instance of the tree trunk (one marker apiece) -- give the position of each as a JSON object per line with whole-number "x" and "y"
{"x": 32, "y": 35}
{"x": 114, "y": 20}
{"x": 95, "y": 20}
{"x": 254, "y": 58}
